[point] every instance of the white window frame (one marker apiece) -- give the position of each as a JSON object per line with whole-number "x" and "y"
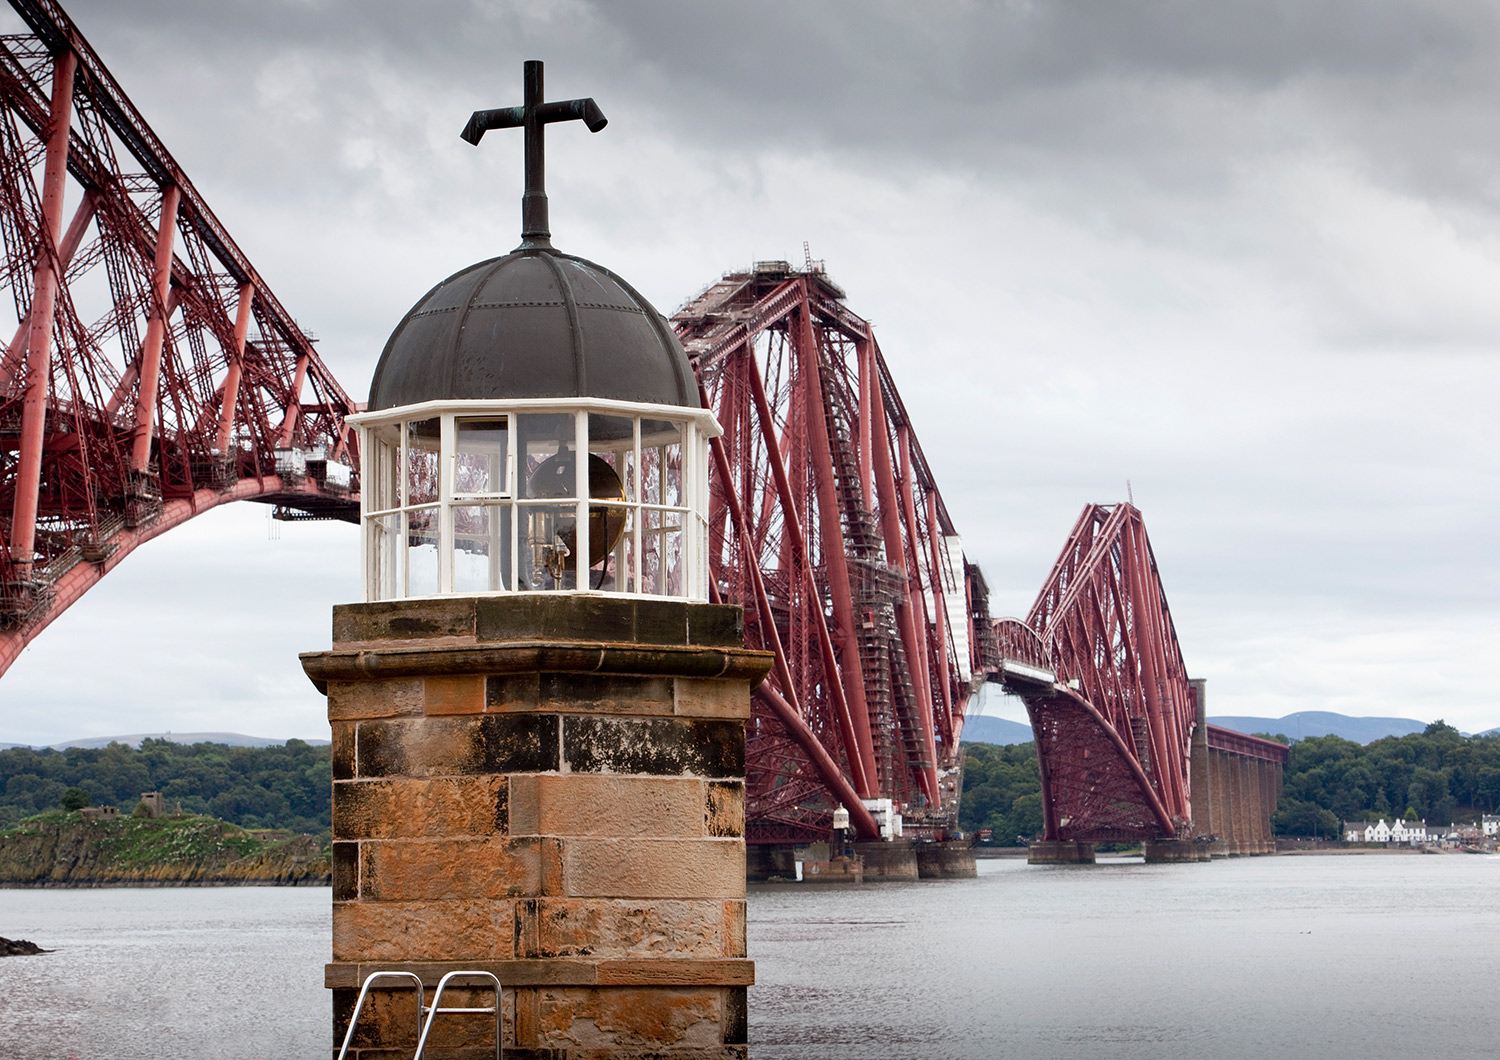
{"x": 689, "y": 517}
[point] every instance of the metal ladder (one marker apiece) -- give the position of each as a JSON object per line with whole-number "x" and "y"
{"x": 432, "y": 1012}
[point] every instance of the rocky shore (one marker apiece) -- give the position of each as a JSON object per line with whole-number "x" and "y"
{"x": 19, "y": 948}
{"x": 68, "y": 850}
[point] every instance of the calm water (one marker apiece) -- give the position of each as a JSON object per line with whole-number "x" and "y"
{"x": 1367, "y": 957}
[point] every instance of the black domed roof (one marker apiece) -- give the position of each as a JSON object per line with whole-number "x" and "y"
{"x": 533, "y": 324}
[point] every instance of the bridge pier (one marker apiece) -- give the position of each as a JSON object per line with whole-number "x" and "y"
{"x": 1218, "y": 786}
{"x": 1163, "y": 851}
{"x": 1198, "y": 767}
{"x": 946, "y": 861}
{"x": 893, "y": 862}
{"x": 1059, "y": 852}
{"x": 770, "y": 861}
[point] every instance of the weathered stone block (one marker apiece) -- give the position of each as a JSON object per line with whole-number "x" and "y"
{"x": 428, "y": 869}
{"x": 455, "y": 930}
{"x": 725, "y": 815}
{"x": 389, "y": 1025}
{"x": 498, "y": 743}
{"x": 676, "y": 971}
{"x": 716, "y": 625}
{"x": 735, "y": 915}
{"x": 621, "y": 928}
{"x": 592, "y": 693}
{"x": 436, "y": 807}
{"x": 511, "y": 692}
{"x": 387, "y": 698}
{"x": 345, "y": 871}
{"x": 454, "y": 694}
{"x": 660, "y": 622}
{"x": 661, "y": 746}
{"x": 653, "y": 868}
{"x": 582, "y": 618}
{"x": 399, "y": 620}
{"x": 580, "y": 804}
{"x": 708, "y": 697}
{"x": 631, "y": 1019}
{"x": 342, "y": 749}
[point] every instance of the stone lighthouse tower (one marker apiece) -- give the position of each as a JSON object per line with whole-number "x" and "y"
{"x": 538, "y": 716}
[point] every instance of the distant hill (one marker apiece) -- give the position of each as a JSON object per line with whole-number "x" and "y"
{"x": 1306, "y": 723}
{"x": 984, "y": 729}
{"x": 233, "y": 739}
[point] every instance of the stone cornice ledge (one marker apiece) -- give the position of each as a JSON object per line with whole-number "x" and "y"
{"x": 366, "y": 664}
{"x": 348, "y": 975}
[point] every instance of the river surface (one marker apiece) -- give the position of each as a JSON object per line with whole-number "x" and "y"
{"x": 1369, "y": 957}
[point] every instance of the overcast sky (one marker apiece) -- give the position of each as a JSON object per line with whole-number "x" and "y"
{"x": 1244, "y": 256}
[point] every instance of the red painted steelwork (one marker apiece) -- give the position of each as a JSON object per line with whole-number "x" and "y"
{"x": 826, "y": 523}
{"x": 827, "y": 526}
{"x": 1113, "y": 733}
{"x": 134, "y": 393}
{"x": 1246, "y": 746}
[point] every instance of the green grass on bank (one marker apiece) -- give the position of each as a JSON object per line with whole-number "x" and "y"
{"x": 62, "y": 846}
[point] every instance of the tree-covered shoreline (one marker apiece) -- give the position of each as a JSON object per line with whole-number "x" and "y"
{"x": 288, "y": 786}
{"x": 1438, "y": 775}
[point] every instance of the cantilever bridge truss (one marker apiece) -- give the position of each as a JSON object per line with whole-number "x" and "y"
{"x": 827, "y": 526}
{"x": 148, "y": 374}
{"x": 1098, "y": 665}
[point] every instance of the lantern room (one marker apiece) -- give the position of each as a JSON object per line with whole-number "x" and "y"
{"x": 534, "y": 426}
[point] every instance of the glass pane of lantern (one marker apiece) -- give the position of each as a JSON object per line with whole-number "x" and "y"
{"x": 385, "y": 558}
{"x": 610, "y": 533}
{"x": 651, "y": 567}
{"x": 612, "y": 440}
{"x": 671, "y": 557}
{"x": 422, "y": 461}
{"x": 661, "y": 462}
{"x": 479, "y": 455}
{"x": 385, "y": 457}
{"x": 481, "y": 548}
{"x": 545, "y": 446}
{"x": 422, "y": 552}
{"x": 623, "y": 562}
{"x": 549, "y": 539}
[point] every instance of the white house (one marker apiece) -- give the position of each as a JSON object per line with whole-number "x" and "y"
{"x": 1379, "y": 832}
{"x": 1411, "y": 832}
{"x": 1491, "y": 824}
{"x": 1354, "y": 831}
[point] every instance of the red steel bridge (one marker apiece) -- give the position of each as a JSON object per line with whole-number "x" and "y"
{"x": 152, "y": 374}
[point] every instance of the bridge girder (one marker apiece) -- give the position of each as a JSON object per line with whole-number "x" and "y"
{"x": 1110, "y": 701}
{"x": 826, "y": 524}
{"x": 152, "y": 373}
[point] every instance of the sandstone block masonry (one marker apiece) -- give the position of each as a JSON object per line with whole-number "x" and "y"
{"x": 550, "y": 789}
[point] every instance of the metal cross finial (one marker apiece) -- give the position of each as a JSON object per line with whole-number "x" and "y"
{"x": 531, "y": 116}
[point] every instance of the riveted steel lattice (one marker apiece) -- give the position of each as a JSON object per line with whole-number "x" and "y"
{"x": 827, "y": 527}
{"x": 1113, "y": 728}
{"x": 151, "y": 373}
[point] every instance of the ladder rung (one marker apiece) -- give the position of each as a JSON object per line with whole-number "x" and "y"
{"x": 461, "y": 1011}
